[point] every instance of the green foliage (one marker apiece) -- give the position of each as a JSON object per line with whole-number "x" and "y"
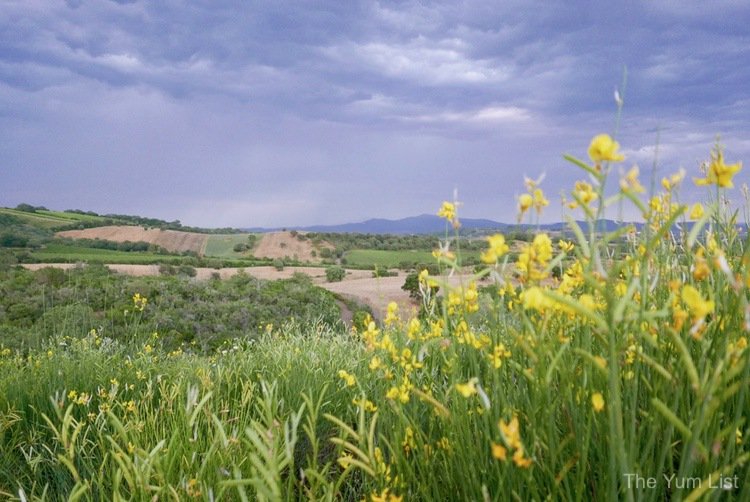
{"x": 335, "y": 274}
{"x": 50, "y": 301}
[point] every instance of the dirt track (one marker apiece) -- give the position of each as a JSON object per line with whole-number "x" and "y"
{"x": 170, "y": 240}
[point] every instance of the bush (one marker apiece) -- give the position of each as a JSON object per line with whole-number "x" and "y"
{"x": 278, "y": 264}
{"x": 335, "y": 274}
{"x": 186, "y": 270}
{"x": 383, "y": 272}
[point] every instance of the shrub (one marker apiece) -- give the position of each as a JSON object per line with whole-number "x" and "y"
{"x": 335, "y": 274}
{"x": 278, "y": 264}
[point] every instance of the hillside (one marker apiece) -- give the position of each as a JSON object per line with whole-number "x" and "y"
{"x": 171, "y": 240}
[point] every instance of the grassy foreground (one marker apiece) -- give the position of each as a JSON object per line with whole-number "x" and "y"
{"x": 612, "y": 378}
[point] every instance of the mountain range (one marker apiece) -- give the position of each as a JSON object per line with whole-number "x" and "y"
{"x": 424, "y": 224}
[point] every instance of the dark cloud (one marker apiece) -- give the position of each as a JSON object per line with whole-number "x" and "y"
{"x": 265, "y": 113}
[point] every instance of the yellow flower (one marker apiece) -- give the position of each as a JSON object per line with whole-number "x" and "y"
{"x": 630, "y": 183}
{"x": 384, "y": 496}
{"x": 349, "y": 379}
{"x": 498, "y": 354}
{"x": 565, "y": 246}
{"x": 511, "y": 432}
{"x": 699, "y": 307}
{"x": 520, "y": 460}
{"x": 375, "y": 363}
{"x": 583, "y": 193}
{"x": 525, "y": 201}
{"x": 604, "y": 148}
{"x": 498, "y": 451}
{"x": 497, "y": 249}
{"x": 469, "y": 388}
{"x": 718, "y": 173}
{"x": 533, "y": 259}
{"x": 534, "y": 298}
{"x": 697, "y": 212}
{"x": 392, "y": 314}
{"x": 139, "y": 302}
{"x": 597, "y": 401}
{"x": 366, "y": 404}
{"x": 539, "y": 200}
{"x": 448, "y": 211}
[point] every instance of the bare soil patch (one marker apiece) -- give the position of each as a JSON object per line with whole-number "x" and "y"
{"x": 284, "y": 244}
{"x": 171, "y": 240}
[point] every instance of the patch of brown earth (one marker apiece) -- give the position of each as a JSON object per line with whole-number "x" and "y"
{"x": 286, "y": 245}
{"x": 171, "y": 240}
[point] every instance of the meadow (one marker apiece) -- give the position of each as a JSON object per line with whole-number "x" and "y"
{"x": 622, "y": 376}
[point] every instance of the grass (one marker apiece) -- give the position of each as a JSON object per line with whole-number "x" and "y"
{"x": 47, "y": 219}
{"x": 222, "y": 246}
{"x": 63, "y": 253}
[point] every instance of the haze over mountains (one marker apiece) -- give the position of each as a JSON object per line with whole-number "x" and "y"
{"x": 422, "y": 224}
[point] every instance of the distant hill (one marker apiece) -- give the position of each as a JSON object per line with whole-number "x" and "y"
{"x": 426, "y": 224}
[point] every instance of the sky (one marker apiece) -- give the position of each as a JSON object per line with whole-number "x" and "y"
{"x": 274, "y": 113}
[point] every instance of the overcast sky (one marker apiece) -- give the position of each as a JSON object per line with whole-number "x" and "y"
{"x": 274, "y": 113}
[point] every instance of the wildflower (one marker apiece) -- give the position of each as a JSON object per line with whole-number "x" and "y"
{"x": 697, "y": 212}
{"x": 674, "y": 180}
{"x": 533, "y": 259}
{"x": 392, "y": 314}
{"x": 139, "y": 302}
{"x": 630, "y": 183}
{"x": 444, "y": 443}
{"x": 497, "y": 249}
{"x": 400, "y": 393}
{"x": 700, "y": 268}
{"x": 498, "y": 354}
{"x": 532, "y": 184}
{"x": 565, "y": 246}
{"x": 448, "y": 211}
{"x": 375, "y": 363}
{"x": 718, "y": 173}
{"x": 193, "y": 488}
{"x": 520, "y": 460}
{"x": 408, "y": 443}
{"x": 349, "y": 380}
{"x": 597, "y": 401}
{"x": 511, "y": 432}
{"x": 469, "y": 388}
{"x": 525, "y": 201}
{"x": 584, "y": 194}
{"x": 604, "y": 148}
{"x": 384, "y": 496}
{"x": 539, "y": 200}
{"x": 498, "y": 451}
{"x": 699, "y": 307}
{"x": 366, "y": 404}
{"x": 534, "y": 298}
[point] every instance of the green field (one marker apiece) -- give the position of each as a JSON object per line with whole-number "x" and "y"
{"x": 62, "y": 253}
{"x": 222, "y": 245}
{"x": 47, "y": 219}
{"x": 391, "y": 259}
